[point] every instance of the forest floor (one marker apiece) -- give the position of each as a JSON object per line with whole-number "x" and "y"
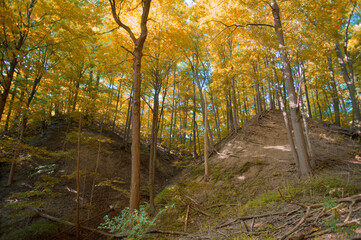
{"x": 253, "y": 191}
{"x": 112, "y": 180}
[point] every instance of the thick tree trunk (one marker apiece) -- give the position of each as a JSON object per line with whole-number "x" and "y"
{"x": 7, "y": 86}
{"x": 135, "y": 178}
{"x": 285, "y": 117}
{"x": 137, "y": 60}
{"x": 305, "y": 167}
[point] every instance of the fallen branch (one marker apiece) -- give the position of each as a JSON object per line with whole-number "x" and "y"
{"x": 111, "y": 208}
{"x": 220, "y": 205}
{"x": 186, "y": 219}
{"x": 168, "y": 232}
{"x": 250, "y": 217}
{"x": 55, "y": 219}
{"x": 308, "y": 212}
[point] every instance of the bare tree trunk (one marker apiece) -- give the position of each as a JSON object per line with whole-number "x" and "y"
{"x": 23, "y": 127}
{"x": 129, "y": 118}
{"x": 206, "y": 170}
{"x": 153, "y": 149}
{"x": 258, "y": 94}
{"x": 234, "y": 105}
{"x": 216, "y": 117}
{"x": 304, "y": 163}
{"x": 116, "y": 106}
{"x": 78, "y": 183}
{"x": 348, "y": 77}
{"x": 195, "y": 155}
{"x": 285, "y": 118}
{"x": 13, "y": 94}
{"x": 171, "y": 119}
{"x": 318, "y": 103}
{"x": 306, "y": 90}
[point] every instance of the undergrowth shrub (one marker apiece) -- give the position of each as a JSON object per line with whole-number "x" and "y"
{"x": 39, "y": 230}
{"x": 134, "y": 225}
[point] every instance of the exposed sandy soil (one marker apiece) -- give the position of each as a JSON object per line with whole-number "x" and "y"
{"x": 254, "y": 161}
{"x": 258, "y": 160}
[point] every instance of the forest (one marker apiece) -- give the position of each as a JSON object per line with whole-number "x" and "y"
{"x": 167, "y": 86}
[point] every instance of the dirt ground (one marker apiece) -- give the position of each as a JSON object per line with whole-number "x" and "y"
{"x": 244, "y": 166}
{"x": 258, "y": 160}
{"x": 114, "y": 163}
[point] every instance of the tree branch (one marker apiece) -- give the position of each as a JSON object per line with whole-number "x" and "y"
{"x": 119, "y": 22}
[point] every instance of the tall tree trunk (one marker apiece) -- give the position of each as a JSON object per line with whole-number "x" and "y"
{"x": 318, "y": 103}
{"x": 129, "y": 118}
{"x": 206, "y": 170}
{"x": 153, "y": 148}
{"x": 304, "y": 163}
{"x": 78, "y": 183}
{"x": 137, "y": 62}
{"x": 195, "y": 155}
{"x": 171, "y": 119}
{"x": 306, "y": 90}
{"x": 7, "y": 85}
{"x": 216, "y": 117}
{"x": 348, "y": 77}
{"x": 13, "y": 94}
{"x": 234, "y": 105}
{"x": 335, "y": 100}
{"x": 285, "y": 117}
{"x": 116, "y": 106}
{"x": 258, "y": 93}
{"x": 23, "y": 127}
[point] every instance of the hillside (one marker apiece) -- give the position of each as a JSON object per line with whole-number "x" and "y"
{"x": 240, "y": 201}
{"x": 246, "y": 173}
{"x": 111, "y": 179}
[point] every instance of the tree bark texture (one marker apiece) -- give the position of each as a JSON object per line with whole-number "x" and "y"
{"x": 305, "y": 167}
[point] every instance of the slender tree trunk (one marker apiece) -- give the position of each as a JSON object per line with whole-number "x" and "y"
{"x": 318, "y": 103}
{"x": 271, "y": 99}
{"x": 304, "y": 163}
{"x": 216, "y": 117}
{"x": 153, "y": 149}
{"x": 234, "y": 105}
{"x": 78, "y": 183}
{"x": 206, "y": 170}
{"x": 95, "y": 171}
{"x": 306, "y": 90}
{"x": 116, "y": 107}
{"x": 23, "y": 127}
{"x": 335, "y": 99}
{"x": 348, "y": 77}
{"x": 195, "y": 155}
{"x": 258, "y": 93}
{"x": 6, "y": 127}
{"x": 171, "y": 119}
{"x": 129, "y": 118}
